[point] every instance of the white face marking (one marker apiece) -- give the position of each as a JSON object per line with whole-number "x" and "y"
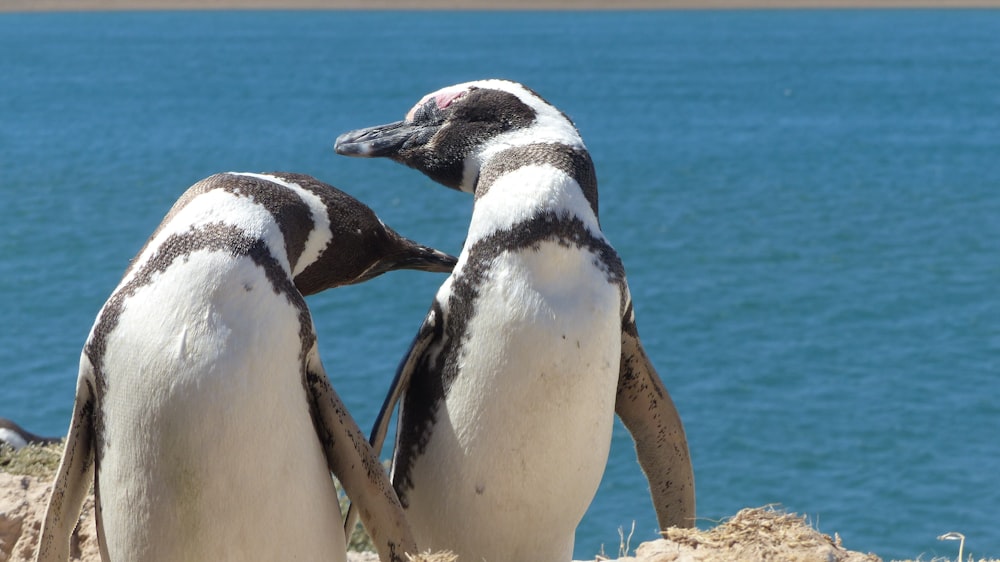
{"x": 519, "y": 195}
{"x": 550, "y": 126}
{"x": 320, "y": 236}
{"x": 12, "y": 438}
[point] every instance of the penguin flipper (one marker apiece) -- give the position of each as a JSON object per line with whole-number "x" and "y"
{"x": 346, "y": 449}
{"x": 428, "y": 333}
{"x": 418, "y": 409}
{"x": 649, "y": 414}
{"x": 402, "y": 380}
{"x": 74, "y": 476}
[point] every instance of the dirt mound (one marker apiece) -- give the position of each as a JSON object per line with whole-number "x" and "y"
{"x": 752, "y": 534}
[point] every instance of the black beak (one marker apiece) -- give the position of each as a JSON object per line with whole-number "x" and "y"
{"x": 411, "y": 256}
{"x": 383, "y": 140}
{"x": 424, "y": 258}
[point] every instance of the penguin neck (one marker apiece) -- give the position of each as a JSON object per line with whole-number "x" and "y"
{"x": 519, "y": 184}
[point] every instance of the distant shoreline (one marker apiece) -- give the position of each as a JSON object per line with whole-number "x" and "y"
{"x": 201, "y": 5}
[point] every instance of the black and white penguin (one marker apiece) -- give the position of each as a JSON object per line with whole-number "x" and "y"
{"x": 202, "y": 403}
{"x": 510, "y": 389}
{"x": 17, "y": 437}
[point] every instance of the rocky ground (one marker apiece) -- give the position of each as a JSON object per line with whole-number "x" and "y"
{"x": 753, "y": 534}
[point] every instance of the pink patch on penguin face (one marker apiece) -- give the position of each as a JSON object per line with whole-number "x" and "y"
{"x": 442, "y": 98}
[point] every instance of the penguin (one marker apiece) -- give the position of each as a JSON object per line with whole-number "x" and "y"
{"x": 203, "y": 415}
{"x": 17, "y": 437}
{"x": 508, "y": 393}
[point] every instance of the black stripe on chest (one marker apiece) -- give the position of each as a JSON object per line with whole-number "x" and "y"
{"x": 439, "y": 368}
{"x": 217, "y": 237}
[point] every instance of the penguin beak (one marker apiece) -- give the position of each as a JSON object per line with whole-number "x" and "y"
{"x": 427, "y": 259}
{"x": 384, "y": 140}
{"x": 414, "y": 256}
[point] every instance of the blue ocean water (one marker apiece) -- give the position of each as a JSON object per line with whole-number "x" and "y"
{"x": 807, "y": 204}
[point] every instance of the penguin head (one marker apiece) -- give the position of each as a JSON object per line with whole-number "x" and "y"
{"x": 361, "y": 255}
{"x": 449, "y": 134}
{"x": 17, "y": 437}
{"x": 362, "y": 247}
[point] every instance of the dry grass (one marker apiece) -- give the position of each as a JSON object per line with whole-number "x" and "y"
{"x": 768, "y": 533}
{"x": 763, "y": 534}
{"x": 436, "y": 557}
{"x": 33, "y": 460}
{"x": 766, "y": 524}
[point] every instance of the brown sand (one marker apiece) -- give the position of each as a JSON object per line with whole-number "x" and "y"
{"x": 90, "y": 5}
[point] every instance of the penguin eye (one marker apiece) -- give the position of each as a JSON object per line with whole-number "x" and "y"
{"x": 425, "y": 111}
{"x": 433, "y": 107}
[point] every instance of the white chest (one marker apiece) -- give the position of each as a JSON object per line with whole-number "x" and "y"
{"x": 523, "y": 436}
{"x": 544, "y": 338}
